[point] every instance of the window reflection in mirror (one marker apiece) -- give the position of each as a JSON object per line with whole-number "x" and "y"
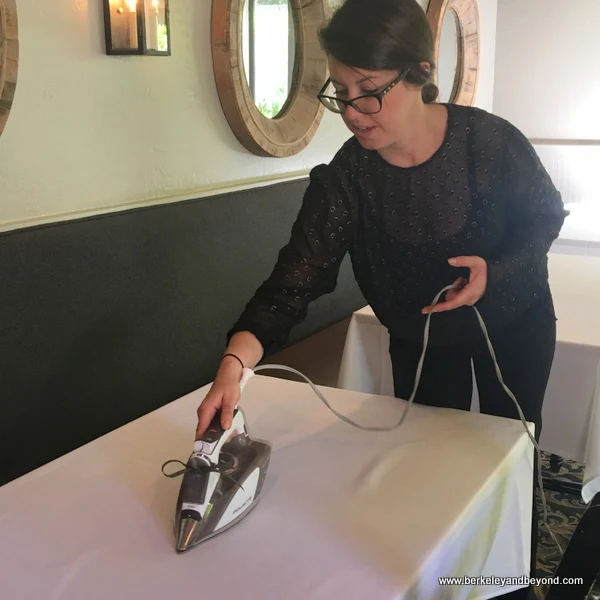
{"x": 448, "y": 71}
{"x": 268, "y": 45}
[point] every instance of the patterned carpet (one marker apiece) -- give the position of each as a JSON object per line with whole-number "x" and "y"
{"x": 564, "y": 512}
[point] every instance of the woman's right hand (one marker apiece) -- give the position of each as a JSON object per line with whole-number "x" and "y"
{"x": 223, "y": 395}
{"x": 243, "y": 349}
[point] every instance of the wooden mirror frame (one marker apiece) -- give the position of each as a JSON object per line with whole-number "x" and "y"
{"x": 9, "y": 58}
{"x": 467, "y": 16}
{"x": 294, "y": 127}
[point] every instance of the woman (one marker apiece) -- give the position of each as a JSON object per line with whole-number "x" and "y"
{"x": 422, "y": 195}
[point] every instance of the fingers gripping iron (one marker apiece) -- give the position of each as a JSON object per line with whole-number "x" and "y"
{"x": 222, "y": 480}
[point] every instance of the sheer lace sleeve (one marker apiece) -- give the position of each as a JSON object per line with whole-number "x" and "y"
{"x": 534, "y": 216}
{"x": 308, "y": 265}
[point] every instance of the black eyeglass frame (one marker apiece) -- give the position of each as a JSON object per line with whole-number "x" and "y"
{"x": 379, "y": 95}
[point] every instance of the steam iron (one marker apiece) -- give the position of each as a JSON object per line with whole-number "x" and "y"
{"x": 222, "y": 480}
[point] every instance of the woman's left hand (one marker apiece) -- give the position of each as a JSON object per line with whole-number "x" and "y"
{"x": 470, "y": 291}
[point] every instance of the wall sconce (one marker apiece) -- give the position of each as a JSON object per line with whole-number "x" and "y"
{"x": 135, "y": 27}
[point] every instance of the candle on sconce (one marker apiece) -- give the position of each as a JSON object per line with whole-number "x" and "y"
{"x": 137, "y": 27}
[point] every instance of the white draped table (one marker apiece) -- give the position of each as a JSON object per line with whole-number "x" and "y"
{"x": 571, "y": 413}
{"x": 344, "y": 513}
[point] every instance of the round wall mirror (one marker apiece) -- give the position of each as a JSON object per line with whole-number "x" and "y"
{"x": 269, "y": 53}
{"x": 9, "y": 58}
{"x": 269, "y": 67}
{"x": 449, "y": 54}
{"x": 455, "y": 25}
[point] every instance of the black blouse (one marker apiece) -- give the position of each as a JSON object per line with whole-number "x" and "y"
{"x": 483, "y": 193}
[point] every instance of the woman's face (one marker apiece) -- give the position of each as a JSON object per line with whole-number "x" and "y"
{"x": 383, "y": 129}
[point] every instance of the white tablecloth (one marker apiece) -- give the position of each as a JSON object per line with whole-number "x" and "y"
{"x": 571, "y": 413}
{"x": 453, "y": 499}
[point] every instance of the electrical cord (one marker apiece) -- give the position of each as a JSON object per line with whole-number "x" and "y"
{"x": 249, "y": 372}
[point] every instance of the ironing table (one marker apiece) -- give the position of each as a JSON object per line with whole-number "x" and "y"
{"x": 571, "y": 413}
{"x": 344, "y": 513}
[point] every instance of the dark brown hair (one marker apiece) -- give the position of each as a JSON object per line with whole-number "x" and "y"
{"x": 383, "y": 35}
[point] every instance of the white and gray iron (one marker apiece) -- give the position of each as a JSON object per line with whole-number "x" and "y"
{"x": 222, "y": 481}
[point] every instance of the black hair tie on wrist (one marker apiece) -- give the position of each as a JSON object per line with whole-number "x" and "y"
{"x": 236, "y": 357}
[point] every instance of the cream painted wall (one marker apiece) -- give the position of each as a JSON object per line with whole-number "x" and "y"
{"x": 547, "y": 83}
{"x": 548, "y": 67}
{"x": 89, "y": 133}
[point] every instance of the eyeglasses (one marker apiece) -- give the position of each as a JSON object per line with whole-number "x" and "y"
{"x": 367, "y": 104}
